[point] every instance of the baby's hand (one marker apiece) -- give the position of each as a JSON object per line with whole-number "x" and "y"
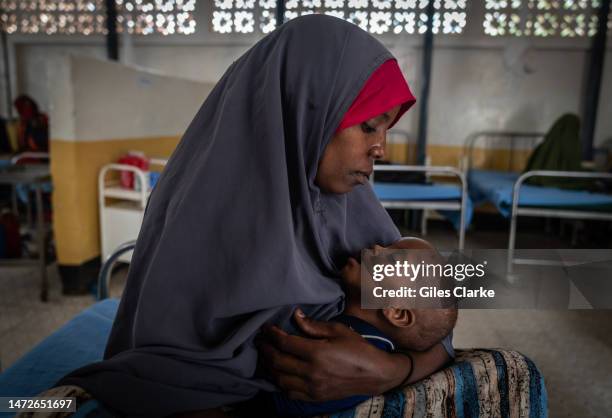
{"x": 377, "y": 249}
{"x": 351, "y": 273}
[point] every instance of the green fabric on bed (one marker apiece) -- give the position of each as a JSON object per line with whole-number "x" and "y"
{"x": 560, "y": 151}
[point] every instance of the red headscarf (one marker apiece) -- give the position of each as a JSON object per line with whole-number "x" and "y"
{"x": 385, "y": 89}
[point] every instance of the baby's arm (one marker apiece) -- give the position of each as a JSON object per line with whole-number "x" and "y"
{"x": 428, "y": 362}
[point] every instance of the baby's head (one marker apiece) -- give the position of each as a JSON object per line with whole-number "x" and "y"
{"x": 411, "y": 329}
{"x": 417, "y": 329}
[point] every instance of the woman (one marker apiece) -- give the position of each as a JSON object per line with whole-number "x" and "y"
{"x": 33, "y": 131}
{"x": 254, "y": 216}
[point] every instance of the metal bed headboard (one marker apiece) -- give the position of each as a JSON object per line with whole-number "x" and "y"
{"x": 531, "y": 138}
{"x": 30, "y": 154}
{"x": 433, "y": 170}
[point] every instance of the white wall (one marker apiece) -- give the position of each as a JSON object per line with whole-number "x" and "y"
{"x": 42, "y": 67}
{"x": 92, "y": 99}
{"x": 478, "y": 82}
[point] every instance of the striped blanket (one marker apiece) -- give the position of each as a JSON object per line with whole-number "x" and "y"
{"x": 481, "y": 383}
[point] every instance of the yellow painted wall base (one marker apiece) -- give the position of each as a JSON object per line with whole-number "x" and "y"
{"x": 75, "y": 166}
{"x": 74, "y": 170}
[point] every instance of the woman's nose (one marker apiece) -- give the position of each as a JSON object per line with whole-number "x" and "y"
{"x": 377, "y": 151}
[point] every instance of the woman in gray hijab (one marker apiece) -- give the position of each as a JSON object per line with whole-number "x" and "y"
{"x": 253, "y": 217}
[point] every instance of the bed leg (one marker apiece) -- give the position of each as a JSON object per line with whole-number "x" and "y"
{"x": 511, "y": 243}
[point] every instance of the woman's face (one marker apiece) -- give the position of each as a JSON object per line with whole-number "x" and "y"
{"x": 348, "y": 159}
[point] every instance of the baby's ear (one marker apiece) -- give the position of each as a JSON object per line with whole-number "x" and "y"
{"x": 403, "y": 318}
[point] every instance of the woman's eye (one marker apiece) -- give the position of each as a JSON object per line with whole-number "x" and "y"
{"x": 367, "y": 128}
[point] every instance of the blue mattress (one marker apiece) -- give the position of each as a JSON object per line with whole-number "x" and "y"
{"x": 426, "y": 192}
{"x": 79, "y": 342}
{"x": 496, "y": 187}
{"x": 417, "y": 192}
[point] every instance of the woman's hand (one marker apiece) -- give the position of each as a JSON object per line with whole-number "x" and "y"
{"x": 334, "y": 364}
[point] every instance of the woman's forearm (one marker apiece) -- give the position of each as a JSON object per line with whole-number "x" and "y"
{"x": 336, "y": 362}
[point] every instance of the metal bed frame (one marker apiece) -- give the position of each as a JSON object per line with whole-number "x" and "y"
{"x": 107, "y": 268}
{"x": 33, "y": 177}
{"x": 516, "y": 190}
{"x": 118, "y": 253}
{"x": 429, "y": 204}
{"x": 15, "y": 159}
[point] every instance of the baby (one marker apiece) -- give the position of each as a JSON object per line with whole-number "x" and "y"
{"x": 389, "y": 329}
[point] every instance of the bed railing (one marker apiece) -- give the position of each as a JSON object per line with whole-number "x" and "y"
{"x": 435, "y": 170}
{"x": 107, "y": 268}
{"x": 548, "y": 212}
{"x": 512, "y": 139}
{"x": 43, "y": 156}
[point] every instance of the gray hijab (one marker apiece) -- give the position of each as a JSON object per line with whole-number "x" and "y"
{"x": 236, "y": 234}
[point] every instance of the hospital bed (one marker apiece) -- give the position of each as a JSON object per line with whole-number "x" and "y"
{"x": 509, "y": 192}
{"x": 20, "y": 192}
{"x": 31, "y": 178}
{"x": 478, "y": 382}
{"x": 448, "y": 197}
{"x": 120, "y": 209}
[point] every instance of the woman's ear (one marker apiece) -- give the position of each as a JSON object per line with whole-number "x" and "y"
{"x": 403, "y": 318}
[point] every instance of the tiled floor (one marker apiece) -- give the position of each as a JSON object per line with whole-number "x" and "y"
{"x": 25, "y": 320}
{"x": 573, "y": 349}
